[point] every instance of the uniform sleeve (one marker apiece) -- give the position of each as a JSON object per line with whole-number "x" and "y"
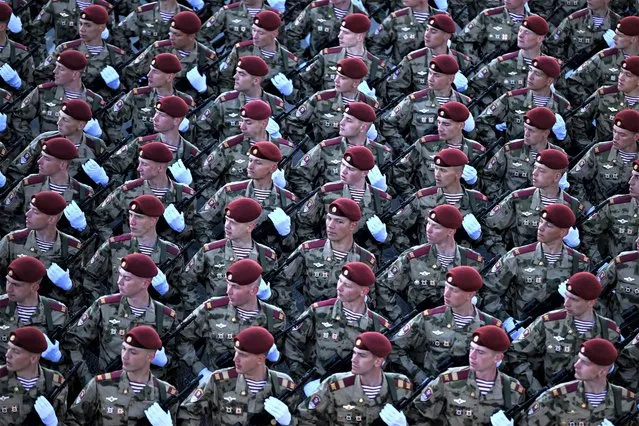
{"x": 585, "y": 80}
{"x": 384, "y": 36}
{"x": 282, "y": 284}
{"x": 395, "y": 124}
{"x": 596, "y": 226}
{"x": 400, "y": 82}
{"x": 95, "y": 272}
{"x": 496, "y": 284}
{"x": 559, "y": 40}
{"x": 542, "y": 412}
{"x": 407, "y": 343}
{"x": 125, "y": 30}
{"x": 429, "y": 407}
{"x": 581, "y": 176}
{"x": 202, "y": 403}
{"x": 210, "y": 215}
{"x": 25, "y": 113}
{"x": 206, "y": 127}
{"x": 227, "y": 70}
{"x": 132, "y": 72}
{"x": 391, "y": 286}
{"x": 500, "y": 219}
{"x": 295, "y": 123}
{"x": 401, "y": 222}
{"x": 190, "y": 336}
{"x": 473, "y": 35}
{"x": 404, "y": 171}
{"x": 303, "y": 178}
{"x": 13, "y": 208}
{"x": 109, "y": 210}
{"x": 121, "y": 162}
{"x": 526, "y": 354}
{"x": 581, "y": 123}
{"x": 299, "y": 346}
{"x": 80, "y": 336}
{"x": 195, "y": 272}
{"x": 627, "y": 373}
{"x": 85, "y": 408}
{"x": 494, "y": 114}
{"x": 493, "y": 175}
{"x": 215, "y": 165}
{"x": 319, "y": 408}
{"x": 22, "y": 165}
{"x": 309, "y": 216}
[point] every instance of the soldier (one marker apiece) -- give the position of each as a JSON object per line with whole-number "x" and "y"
{"x": 590, "y": 399}
{"x": 419, "y": 274}
{"x": 100, "y": 274}
{"x": 139, "y": 392}
{"x": 514, "y": 221}
{"x": 138, "y": 105}
{"x": 322, "y": 163}
{"x": 109, "y": 318}
{"x": 449, "y": 165}
{"x": 249, "y": 388}
{"x": 323, "y": 111}
{"x": 220, "y": 319}
{"x": 208, "y": 266}
{"x": 317, "y": 263}
{"x": 472, "y": 393}
{"x": 25, "y": 382}
{"x": 512, "y": 166}
{"x": 626, "y": 371}
{"x": 45, "y": 101}
{"x": 531, "y": 273}
{"x": 364, "y": 394}
{"x": 17, "y": 64}
{"x": 153, "y": 162}
{"x": 416, "y": 114}
{"x": 417, "y": 169}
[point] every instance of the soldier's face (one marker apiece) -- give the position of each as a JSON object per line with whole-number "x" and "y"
{"x": 253, "y": 129}
{"x": 338, "y": 227}
{"x": 548, "y": 232}
{"x": 19, "y": 359}
{"x": 544, "y": 177}
{"x": 246, "y": 363}
{"x": 411, "y": 3}
{"x": 633, "y": 183}
{"x": 62, "y": 75}
{"x": 527, "y": 39}
{"x": 180, "y": 40}
{"x": 448, "y": 129}
{"x": 36, "y": 220}
{"x": 242, "y": 81}
{"x": 456, "y": 297}
{"x": 129, "y": 284}
{"x": 234, "y": 230}
{"x": 446, "y": 176}
{"x": 148, "y": 169}
{"x": 623, "y": 139}
{"x": 89, "y": 30}
{"x": 141, "y": 224}
{"x": 19, "y": 291}
{"x": 68, "y": 125}
{"x": 348, "y": 291}
{"x": 438, "y": 81}
{"x": 627, "y": 81}
{"x": 436, "y": 233}
{"x": 163, "y": 122}
{"x": 537, "y": 79}
{"x": 597, "y": 4}
{"x": 157, "y": 78}
{"x": 135, "y": 359}
{"x": 514, "y": 4}
{"x": 351, "y": 175}
{"x": 576, "y": 306}
{"x": 363, "y": 362}
{"x": 259, "y": 168}
{"x": 483, "y": 359}
{"x": 345, "y": 84}
{"x": 622, "y": 41}
{"x": 347, "y": 38}
{"x": 534, "y": 136}
{"x": 434, "y": 37}
{"x": 350, "y": 126}
{"x": 48, "y": 165}
{"x": 340, "y": 4}
{"x": 261, "y": 37}
{"x": 240, "y": 295}
{"x": 587, "y": 370}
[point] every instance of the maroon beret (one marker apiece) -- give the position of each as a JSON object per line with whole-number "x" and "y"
{"x": 144, "y": 337}
{"x": 540, "y": 117}
{"x": 536, "y": 24}
{"x": 631, "y": 63}
{"x": 253, "y": 65}
{"x": 5, "y": 12}
{"x": 167, "y": 63}
{"x": 360, "y": 110}
{"x": 443, "y": 22}
{"x": 60, "y": 148}
{"x": 374, "y": 342}
{"x": 49, "y": 202}
{"x": 27, "y": 269}
{"x": 266, "y": 151}
{"x": 347, "y": 208}
{"x": 360, "y": 273}
{"x": 628, "y": 119}
{"x": 354, "y": 68}
{"x": 267, "y": 20}
{"x": 357, "y": 23}
{"x": 553, "y": 159}
{"x": 584, "y": 285}
{"x": 243, "y": 210}
{"x": 454, "y": 110}
{"x": 491, "y": 337}
{"x": 445, "y": 64}
{"x": 148, "y": 205}
{"x": 77, "y": 109}
{"x": 559, "y": 215}
{"x": 600, "y": 351}
{"x": 156, "y": 151}
{"x": 629, "y": 26}
{"x": 447, "y": 216}
{"x": 256, "y": 110}
{"x": 548, "y": 65}
{"x": 173, "y": 106}
{"x": 96, "y": 14}
{"x": 254, "y": 340}
{"x": 451, "y": 157}
{"x": 73, "y": 60}
{"x": 359, "y": 157}
{"x": 465, "y": 278}
{"x": 29, "y": 338}
{"x": 244, "y": 272}
{"x": 187, "y": 22}
{"x": 139, "y": 265}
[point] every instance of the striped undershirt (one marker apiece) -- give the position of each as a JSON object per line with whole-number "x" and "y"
{"x": 545, "y": 200}
{"x": 255, "y": 386}
{"x": 533, "y": 154}
{"x": 583, "y": 326}
{"x": 627, "y": 157}
{"x": 340, "y": 13}
{"x": 462, "y": 320}
{"x": 371, "y": 391}
{"x": 26, "y": 312}
{"x": 352, "y": 55}
{"x": 241, "y": 252}
{"x": 146, "y": 249}
{"x": 252, "y": 98}
{"x": 160, "y": 192}
{"x": 246, "y": 315}
{"x": 352, "y": 316}
{"x": 356, "y": 194}
{"x": 82, "y": 4}
{"x": 484, "y": 386}
{"x": 183, "y": 53}
{"x": 262, "y": 194}
{"x": 95, "y": 50}
{"x": 27, "y": 384}
{"x": 339, "y": 255}
{"x": 172, "y": 148}
{"x": 444, "y": 259}
{"x": 138, "y": 312}
{"x": 527, "y": 61}
{"x": 597, "y": 21}
{"x": 450, "y": 145}
{"x": 540, "y": 100}
{"x": 552, "y": 257}
{"x": 625, "y": 55}
{"x": 346, "y": 100}
{"x": 420, "y": 17}
{"x": 453, "y": 198}
{"x": 44, "y": 245}
{"x": 58, "y": 188}
{"x": 631, "y": 100}
{"x": 268, "y": 54}
{"x": 68, "y": 94}
{"x": 516, "y": 17}
{"x": 137, "y": 386}
{"x": 166, "y": 16}
{"x": 594, "y": 399}
{"x": 253, "y": 11}
{"x": 441, "y": 100}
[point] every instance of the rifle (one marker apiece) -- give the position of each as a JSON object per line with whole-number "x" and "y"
{"x": 391, "y": 104}
{"x": 60, "y": 330}
{"x": 16, "y": 101}
{"x": 383, "y": 77}
{"x": 390, "y": 213}
{"x": 284, "y": 161}
{"x": 185, "y": 202}
{"x": 489, "y": 149}
{"x": 490, "y": 57}
{"x": 581, "y": 57}
{"x": 585, "y": 217}
{"x": 174, "y": 399}
{"x": 167, "y": 263}
{"x": 268, "y": 277}
{"x": 86, "y": 203}
{"x": 482, "y": 95}
{"x": 72, "y": 258}
{"x": 200, "y": 106}
{"x": 432, "y": 129}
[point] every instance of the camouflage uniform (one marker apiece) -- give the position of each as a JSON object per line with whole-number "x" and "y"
{"x": 216, "y": 323}
{"x": 417, "y": 275}
{"x": 414, "y": 117}
{"x": 556, "y": 11}
{"x": 454, "y": 398}
{"x": 620, "y": 275}
{"x": 109, "y": 399}
{"x": 523, "y": 275}
{"x": 627, "y": 373}
{"x": 600, "y": 70}
{"x": 17, "y": 55}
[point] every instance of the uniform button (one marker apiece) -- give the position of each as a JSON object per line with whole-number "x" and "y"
{"x": 361, "y": 400}
{"x": 448, "y": 325}
{"x": 243, "y": 393}
{"x": 233, "y": 320}
{"x": 472, "y": 394}
{"x": 328, "y": 259}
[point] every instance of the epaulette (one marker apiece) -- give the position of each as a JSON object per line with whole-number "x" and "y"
{"x": 3, "y": 371}
{"x": 286, "y": 382}
{"x": 313, "y": 244}
{"x": 236, "y": 186}
{"x": 90, "y": 143}
{"x": 105, "y": 4}
{"x": 93, "y": 95}
{"x": 74, "y": 242}
{"x": 332, "y": 50}
{"x": 517, "y": 92}
{"x": 478, "y": 195}
{"x": 489, "y": 320}
{"x": 626, "y": 393}
{"x": 383, "y": 195}
{"x": 232, "y": 141}
{"x": 403, "y": 384}
{"x": 342, "y": 383}
{"x": 434, "y": 311}
{"x": 33, "y": 179}
{"x": 186, "y": 189}
{"x": 429, "y": 138}
{"x": 19, "y": 235}
{"x": 117, "y": 50}
{"x": 494, "y": 11}
{"x": 564, "y": 388}
{"x": 456, "y": 375}
{"x": 373, "y": 58}
{"x": 214, "y": 245}
{"x": 146, "y": 7}
{"x": 326, "y": 94}
{"x": 401, "y": 12}
{"x": 292, "y": 57}
{"x": 216, "y": 302}
{"x": 132, "y": 184}
{"x": 607, "y": 90}
{"x": 171, "y": 390}
{"x": 269, "y": 253}
{"x": 473, "y": 255}
{"x": 417, "y": 54}
{"x": 162, "y": 43}
{"x": 331, "y": 142}
{"x": 557, "y": 315}
{"x": 71, "y": 44}
{"x": 108, "y": 300}
{"x": 287, "y": 194}
{"x": 120, "y": 238}
{"x": 243, "y": 43}
{"x": 278, "y": 101}
{"x": 229, "y": 96}
{"x": 366, "y": 256}
{"x": 172, "y": 250}
{"x": 381, "y": 146}
{"x": 415, "y": 96}
{"x": 227, "y": 373}
{"x": 582, "y": 257}
{"x": 608, "y": 52}
{"x": 514, "y": 145}
{"x": 603, "y": 147}
{"x": 148, "y": 138}
{"x": 108, "y": 376}
{"x": 278, "y": 314}
{"x": 142, "y": 90}
{"x": 508, "y": 56}
{"x": 57, "y": 378}
{"x": 424, "y": 192}
{"x": 517, "y": 387}
{"x": 188, "y": 99}
{"x": 524, "y": 193}
{"x": 628, "y": 256}
{"x": 4, "y": 301}
{"x": 284, "y": 142}
{"x": 57, "y": 306}
{"x": 21, "y": 46}
{"x": 613, "y": 326}
{"x": 47, "y": 85}
{"x": 232, "y": 5}
{"x": 525, "y": 249}
{"x": 170, "y": 312}
{"x": 578, "y": 14}
{"x": 320, "y": 3}
{"x": 333, "y": 186}
{"x": 419, "y": 252}
{"x": 477, "y": 146}
{"x": 383, "y": 321}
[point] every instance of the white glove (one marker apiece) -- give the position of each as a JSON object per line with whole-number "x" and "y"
{"x": 392, "y": 416}
{"x": 279, "y": 5}
{"x": 469, "y": 124}
{"x": 305, "y": 42}
{"x": 264, "y": 291}
{"x": 273, "y": 354}
{"x": 377, "y": 228}
{"x": 559, "y": 128}
{"x": 3, "y": 179}
{"x": 562, "y": 288}
{"x": 159, "y": 283}
{"x": 508, "y": 325}
{"x": 181, "y": 173}
{"x": 3, "y": 122}
{"x": 196, "y": 4}
{"x": 371, "y": 133}
{"x": 461, "y": 82}
{"x": 197, "y": 80}
{"x": 441, "y": 4}
{"x": 160, "y": 359}
{"x": 15, "y": 24}
{"x": 157, "y": 416}
{"x": 606, "y": 422}
{"x": 563, "y": 182}
{"x": 206, "y": 375}
{"x": 472, "y": 227}
{"x": 104, "y": 35}
{"x": 282, "y": 83}
{"x": 52, "y": 353}
{"x": 110, "y": 77}
{"x": 281, "y": 221}
{"x": 572, "y": 239}
{"x": 609, "y": 36}
{"x": 273, "y": 129}
{"x": 500, "y": 419}
{"x": 95, "y": 172}
{"x": 469, "y": 174}
{"x": 569, "y": 74}
{"x": 93, "y": 128}
{"x": 311, "y": 387}
{"x": 377, "y": 179}
{"x": 174, "y": 218}
{"x": 278, "y": 410}
{"x": 278, "y": 178}
{"x": 360, "y": 5}
{"x": 501, "y": 127}
{"x": 365, "y": 89}
{"x": 75, "y": 216}
{"x": 10, "y": 75}
{"x": 46, "y": 412}
{"x": 184, "y": 125}
{"x": 59, "y": 277}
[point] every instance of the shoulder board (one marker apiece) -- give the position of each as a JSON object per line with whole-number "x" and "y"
{"x": 478, "y": 195}
{"x": 227, "y": 373}
{"x": 512, "y": 146}
{"x": 284, "y": 142}
{"x": 148, "y": 138}
{"x": 490, "y": 320}
{"x": 268, "y": 252}
{"x": 472, "y": 254}
{"x": 216, "y": 302}
{"x": 188, "y": 99}
{"x": 186, "y": 189}
{"x": 456, "y": 375}
{"x": 3, "y": 371}
{"x": 20, "y": 46}
{"x": 555, "y": 315}
{"x": 287, "y": 194}
{"x": 381, "y": 146}
{"x": 383, "y": 321}
{"x": 214, "y": 245}
{"x": 603, "y": 147}
{"x": 326, "y": 94}
{"x": 320, "y": 3}
{"x": 119, "y": 238}
{"x": 171, "y": 390}
{"x": 286, "y": 382}
{"x": 74, "y": 242}
{"x": 19, "y": 235}
{"x": 116, "y": 49}
{"x": 333, "y": 186}
{"x": 419, "y": 252}
{"x": 107, "y": 300}
{"x": 172, "y": 249}
{"x": 627, "y": 256}
{"x": 244, "y": 43}
{"x": 565, "y": 388}
{"x": 626, "y": 393}
{"x": 424, "y": 192}
{"x": 330, "y": 142}
{"x": 146, "y": 7}
{"x": 229, "y": 96}
{"x": 508, "y": 56}
{"x": 109, "y": 376}
{"x": 71, "y": 44}
{"x": 608, "y": 52}
{"x": 142, "y": 90}
{"x": 292, "y": 57}
{"x": 416, "y": 54}
{"x": 582, "y": 257}
{"x": 403, "y": 384}
{"x": 570, "y": 199}
{"x": 232, "y": 141}
{"x": 47, "y": 85}
{"x": 429, "y": 138}
{"x": 607, "y": 90}
{"x": 277, "y": 313}
{"x": 374, "y": 58}
{"x": 33, "y": 179}
{"x": 232, "y": 5}
{"x": 322, "y": 303}
{"x": 162, "y": 43}
{"x": 524, "y": 193}
{"x": 57, "y": 306}
{"x": 92, "y": 94}
{"x": 236, "y": 186}
{"x": 313, "y": 244}
{"x": 418, "y": 95}
{"x": 477, "y": 146}
{"x": 382, "y": 194}
{"x": 132, "y": 184}
{"x": 105, "y": 4}
{"x": 613, "y": 326}
{"x": 401, "y": 12}
{"x": 168, "y": 311}
{"x": 494, "y": 11}
{"x": 525, "y": 249}
{"x": 517, "y": 387}
{"x": 578, "y": 14}
{"x": 434, "y": 311}
{"x": 342, "y": 383}
{"x": 517, "y": 92}
{"x": 332, "y": 50}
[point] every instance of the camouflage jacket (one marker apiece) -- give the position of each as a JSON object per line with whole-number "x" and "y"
{"x": 619, "y": 280}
